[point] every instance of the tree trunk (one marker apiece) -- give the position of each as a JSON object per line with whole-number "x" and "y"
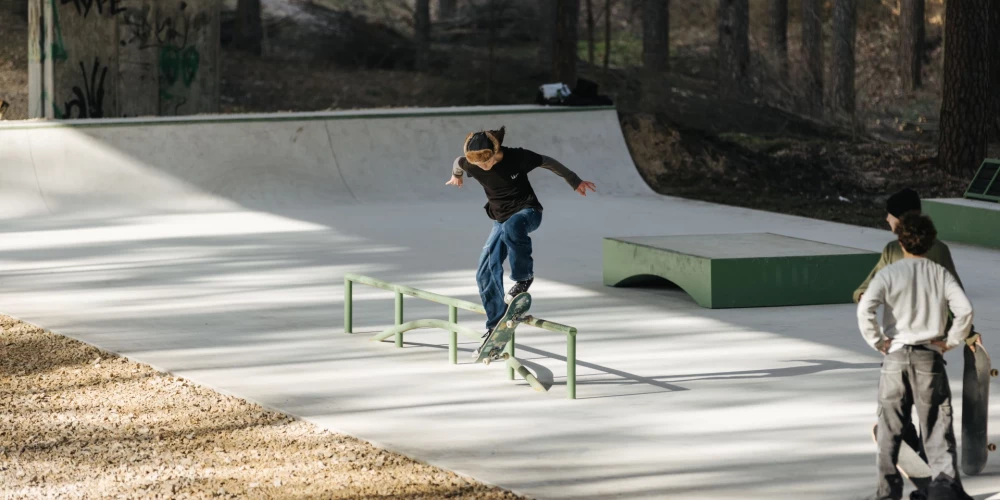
{"x": 422, "y": 29}
{"x": 447, "y": 9}
{"x": 845, "y": 18}
{"x": 734, "y": 46}
{"x": 18, "y": 8}
{"x": 777, "y": 34}
{"x": 491, "y": 62}
{"x": 249, "y": 30}
{"x": 590, "y": 32}
{"x": 656, "y": 35}
{"x": 911, "y": 43}
{"x": 994, "y": 55}
{"x": 21, "y": 9}
{"x": 812, "y": 54}
{"x": 497, "y": 9}
{"x": 546, "y": 35}
{"x": 607, "y": 35}
{"x": 965, "y": 103}
{"x": 564, "y": 50}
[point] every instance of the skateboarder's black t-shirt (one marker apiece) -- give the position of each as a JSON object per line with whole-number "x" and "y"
{"x": 506, "y": 184}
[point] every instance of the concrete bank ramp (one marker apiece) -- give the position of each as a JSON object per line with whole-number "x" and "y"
{"x": 290, "y": 160}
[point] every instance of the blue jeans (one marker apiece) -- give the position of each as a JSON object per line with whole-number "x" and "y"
{"x": 509, "y": 238}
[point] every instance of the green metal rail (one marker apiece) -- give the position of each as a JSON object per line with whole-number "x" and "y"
{"x": 454, "y": 328}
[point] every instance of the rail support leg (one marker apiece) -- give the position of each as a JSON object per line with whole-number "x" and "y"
{"x": 510, "y": 350}
{"x": 399, "y": 318}
{"x": 571, "y": 366}
{"x": 348, "y": 306}
{"x": 513, "y": 364}
{"x": 453, "y": 335}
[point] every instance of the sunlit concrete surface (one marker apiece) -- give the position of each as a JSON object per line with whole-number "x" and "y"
{"x": 216, "y": 250}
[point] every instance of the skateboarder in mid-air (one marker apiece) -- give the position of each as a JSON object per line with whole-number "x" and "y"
{"x": 917, "y": 295}
{"x": 514, "y": 209}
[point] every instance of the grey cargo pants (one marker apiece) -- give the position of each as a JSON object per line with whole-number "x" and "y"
{"x": 911, "y": 376}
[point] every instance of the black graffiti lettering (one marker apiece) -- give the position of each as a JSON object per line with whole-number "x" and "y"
{"x": 177, "y": 107}
{"x": 84, "y": 6}
{"x": 89, "y": 101}
{"x": 139, "y": 29}
{"x": 174, "y": 33}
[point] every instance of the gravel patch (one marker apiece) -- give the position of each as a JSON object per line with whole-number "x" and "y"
{"x": 78, "y": 422}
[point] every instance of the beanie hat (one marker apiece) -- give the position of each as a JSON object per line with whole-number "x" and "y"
{"x": 481, "y": 146}
{"x": 902, "y": 202}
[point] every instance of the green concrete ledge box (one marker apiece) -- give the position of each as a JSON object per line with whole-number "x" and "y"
{"x": 741, "y": 270}
{"x": 975, "y": 222}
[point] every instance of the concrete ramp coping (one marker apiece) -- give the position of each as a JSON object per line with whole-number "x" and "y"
{"x": 299, "y": 116}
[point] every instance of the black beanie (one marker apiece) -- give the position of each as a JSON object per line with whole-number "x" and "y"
{"x": 479, "y": 141}
{"x": 483, "y": 145}
{"x": 902, "y": 202}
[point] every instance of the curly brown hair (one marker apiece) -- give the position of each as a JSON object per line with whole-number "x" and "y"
{"x": 916, "y": 233}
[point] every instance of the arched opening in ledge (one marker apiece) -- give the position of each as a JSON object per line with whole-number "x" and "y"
{"x": 649, "y": 281}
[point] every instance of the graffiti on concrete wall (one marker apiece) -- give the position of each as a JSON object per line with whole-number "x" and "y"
{"x": 170, "y": 32}
{"x": 180, "y": 58}
{"x": 109, "y": 7}
{"x": 58, "y": 46}
{"x": 88, "y": 102}
{"x": 87, "y": 96}
{"x": 138, "y": 28}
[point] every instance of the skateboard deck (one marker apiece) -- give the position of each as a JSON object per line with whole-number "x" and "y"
{"x": 975, "y": 406}
{"x": 493, "y": 348}
{"x": 909, "y": 463}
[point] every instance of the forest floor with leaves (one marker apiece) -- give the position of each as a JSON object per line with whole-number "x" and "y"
{"x": 78, "y": 422}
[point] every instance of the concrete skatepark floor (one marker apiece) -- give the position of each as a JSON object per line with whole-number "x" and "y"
{"x": 225, "y": 268}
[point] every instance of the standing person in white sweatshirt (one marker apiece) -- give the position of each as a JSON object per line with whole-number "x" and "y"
{"x": 916, "y": 294}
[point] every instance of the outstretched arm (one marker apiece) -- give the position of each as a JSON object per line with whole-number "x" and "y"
{"x": 568, "y": 175}
{"x": 561, "y": 170}
{"x": 456, "y": 173}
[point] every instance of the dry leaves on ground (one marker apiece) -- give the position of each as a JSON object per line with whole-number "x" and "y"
{"x": 77, "y": 422}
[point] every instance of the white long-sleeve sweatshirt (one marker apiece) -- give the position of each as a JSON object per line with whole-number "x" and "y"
{"x": 917, "y": 294}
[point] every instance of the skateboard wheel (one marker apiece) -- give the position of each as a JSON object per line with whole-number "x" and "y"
{"x": 994, "y": 372}
{"x": 991, "y": 447}
{"x": 486, "y": 360}
{"x": 506, "y": 355}
{"x": 510, "y": 324}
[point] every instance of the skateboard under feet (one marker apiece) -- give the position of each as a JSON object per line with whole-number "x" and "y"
{"x": 492, "y": 349}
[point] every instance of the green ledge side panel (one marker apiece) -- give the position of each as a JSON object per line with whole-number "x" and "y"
{"x": 789, "y": 281}
{"x": 965, "y": 221}
{"x": 741, "y": 270}
{"x": 627, "y": 263}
